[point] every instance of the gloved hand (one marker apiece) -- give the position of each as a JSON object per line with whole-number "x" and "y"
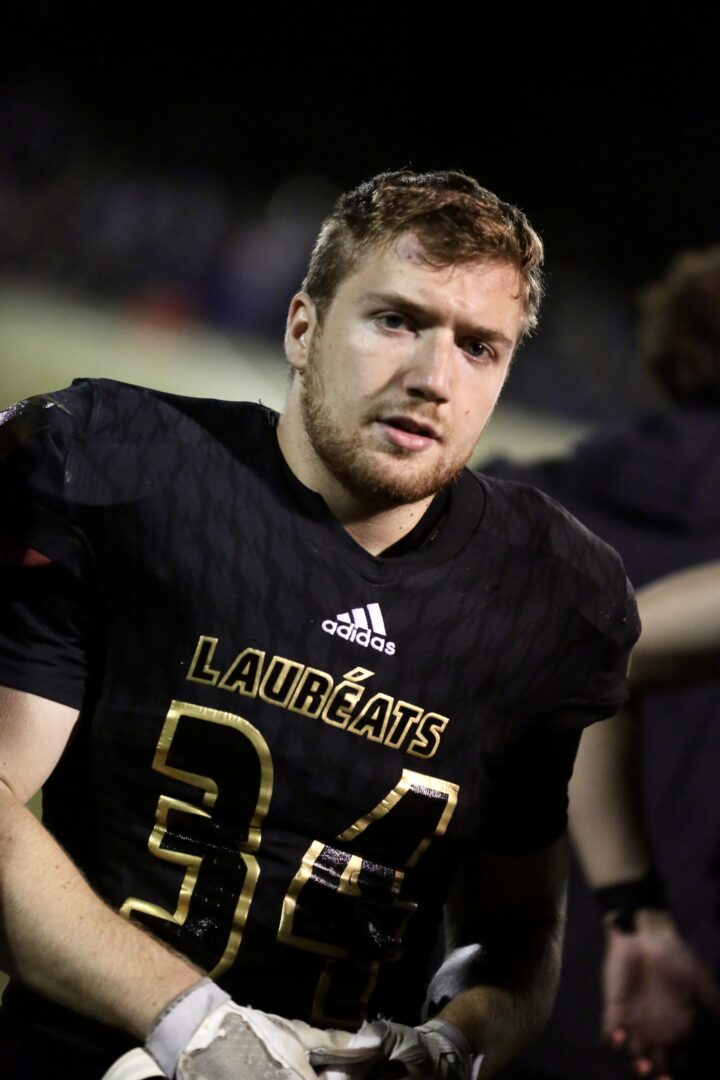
{"x": 204, "y": 1035}
{"x": 235, "y": 1043}
{"x": 436, "y": 1050}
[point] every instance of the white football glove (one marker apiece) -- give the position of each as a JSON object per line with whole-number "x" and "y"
{"x": 203, "y": 1035}
{"x": 135, "y": 1065}
{"x": 436, "y": 1050}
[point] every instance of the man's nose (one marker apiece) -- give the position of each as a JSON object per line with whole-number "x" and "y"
{"x": 429, "y": 372}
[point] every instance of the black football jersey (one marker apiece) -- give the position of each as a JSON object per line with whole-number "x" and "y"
{"x": 286, "y": 744}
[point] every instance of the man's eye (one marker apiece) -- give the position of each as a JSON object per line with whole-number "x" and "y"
{"x": 478, "y": 350}
{"x": 393, "y": 320}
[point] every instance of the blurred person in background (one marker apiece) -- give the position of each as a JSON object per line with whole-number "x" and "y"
{"x": 651, "y": 489}
{"x": 296, "y": 685}
{"x": 654, "y": 985}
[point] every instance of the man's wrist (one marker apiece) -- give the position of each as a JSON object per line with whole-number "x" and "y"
{"x": 621, "y": 901}
{"x": 175, "y": 1025}
{"x": 451, "y": 1053}
{"x": 470, "y": 1014}
{"x": 449, "y": 1031}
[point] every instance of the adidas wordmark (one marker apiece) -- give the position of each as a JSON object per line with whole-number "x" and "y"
{"x": 364, "y": 625}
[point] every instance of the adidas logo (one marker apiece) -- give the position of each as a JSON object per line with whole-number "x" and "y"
{"x": 363, "y": 625}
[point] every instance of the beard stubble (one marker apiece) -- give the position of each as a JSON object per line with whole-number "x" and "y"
{"x": 374, "y": 474}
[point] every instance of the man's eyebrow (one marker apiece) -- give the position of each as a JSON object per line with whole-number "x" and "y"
{"x": 399, "y": 302}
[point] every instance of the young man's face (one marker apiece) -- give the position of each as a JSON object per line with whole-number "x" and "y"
{"x": 401, "y": 379}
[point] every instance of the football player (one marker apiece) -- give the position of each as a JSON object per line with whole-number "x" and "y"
{"x": 296, "y": 687}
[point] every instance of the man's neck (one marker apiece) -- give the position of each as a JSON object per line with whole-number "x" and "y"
{"x": 374, "y": 524}
{"x": 378, "y": 531}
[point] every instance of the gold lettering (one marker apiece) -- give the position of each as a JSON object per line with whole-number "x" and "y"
{"x": 280, "y": 680}
{"x": 311, "y": 693}
{"x": 360, "y": 878}
{"x": 204, "y": 652}
{"x": 373, "y": 719}
{"x": 358, "y": 674}
{"x": 404, "y": 716}
{"x": 342, "y": 701}
{"x": 178, "y": 712}
{"x": 432, "y": 725}
{"x": 245, "y": 669}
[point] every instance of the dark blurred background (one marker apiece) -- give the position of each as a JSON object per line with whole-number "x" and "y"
{"x": 176, "y": 164}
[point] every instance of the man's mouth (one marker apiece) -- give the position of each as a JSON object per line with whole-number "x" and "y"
{"x": 409, "y": 432}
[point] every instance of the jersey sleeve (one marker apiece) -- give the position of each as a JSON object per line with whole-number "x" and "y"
{"x": 587, "y": 676}
{"x": 586, "y": 683}
{"x": 46, "y": 611}
{"x": 595, "y": 666}
{"x": 528, "y": 804}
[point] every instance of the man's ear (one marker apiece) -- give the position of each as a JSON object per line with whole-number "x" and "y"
{"x": 301, "y": 325}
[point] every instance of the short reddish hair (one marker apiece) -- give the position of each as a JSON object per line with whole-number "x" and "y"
{"x": 455, "y": 219}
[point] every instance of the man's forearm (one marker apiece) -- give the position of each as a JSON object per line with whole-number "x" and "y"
{"x": 60, "y": 939}
{"x": 500, "y": 1017}
{"x": 606, "y": 818}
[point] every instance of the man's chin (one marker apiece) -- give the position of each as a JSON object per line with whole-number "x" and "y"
{"x": 375, "y": 471}
{"x": 398, "y": 479}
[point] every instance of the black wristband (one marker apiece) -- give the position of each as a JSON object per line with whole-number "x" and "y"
{"x": 624, "y": 900}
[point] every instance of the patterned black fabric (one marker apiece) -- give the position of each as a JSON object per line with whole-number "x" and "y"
{"x": 287, "y": 744}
